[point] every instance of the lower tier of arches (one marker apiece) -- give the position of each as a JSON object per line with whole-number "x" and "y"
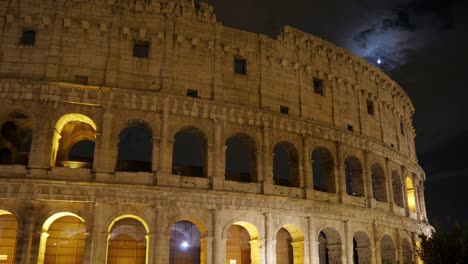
{"x": 46, "y": 222}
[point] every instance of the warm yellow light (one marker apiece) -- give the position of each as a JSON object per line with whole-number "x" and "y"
{"x": 410, "y": 194}
{"x": 74, "y": 117}
{"x": 3, "y": 212}
{"x": 254, "y": 241}
{"x": 45, "y": 235}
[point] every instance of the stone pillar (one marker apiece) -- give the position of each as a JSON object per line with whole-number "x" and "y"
{"x": 367, "y": 174}
{"x": 348, "y": 244}
{"x": 41, "y": 149}
{"x": 165, "y": 155}
{"x": 339, "y": 172}
{"x": 267, "y": 155}
{"x": 106, "y": 157}
{"x": 270, "y": 240}
{"x": 388, "y": 174}
{"x": 26, "y": 236}
{"x": 259, "y": 156}
{"x": 219, "y": 243}
{"x": 156, "y": 140}
{"x": 206, "y": 250}
{"x": 161, "y": 247}
{"x": 298, "y": 251}
{"x": 307, "y": 164}
{"x": 217, "y": 177}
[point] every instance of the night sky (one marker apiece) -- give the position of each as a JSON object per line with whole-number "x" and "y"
{"x": 423, "y": 46}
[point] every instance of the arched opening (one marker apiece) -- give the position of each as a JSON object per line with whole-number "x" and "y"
{"x": 8, "y": 231}
{"x": 66, "y": 241}
{"x": 322, "y": 166}
{"x": 285, "y": 165}
{"x": 63, "y": 239}
{"x": 16, "y": 140}
{"x": 329, "y": 246}
{"x": 354, "y": 177}
{"x": 284, "y": 249}
{"x": 379, "y": 183}
{"x": 189, "y": 153}
{"x": 242, "y": 244}
{"x": 127, "y": 241}
{"x": 387, "y": 250}
{"x": 135, "y": 149}
{"x": 407, "y": 252}
{"x": 5, "y": 156}
{"x": 185, "y": 244}
{"x": 74, "y": 132}
{"x": 362, "y": 253}
{"x": 410, "y": 193}
{"x": 397, "y": 187}
{"x": 241, "y": 161}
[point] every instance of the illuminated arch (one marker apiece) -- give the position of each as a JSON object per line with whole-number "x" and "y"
{"x": 411, "y": 194}
{"x": 45, "y": 234}
{"x": 188, "y": 242}
{"x": 61, "y": 143}
{"x": 296, "y": 243}
{"x": 254, "y": 241}
{"x": 8, "y": 235}
{"x": 133, "y": 217}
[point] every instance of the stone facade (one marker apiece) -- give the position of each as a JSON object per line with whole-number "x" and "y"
{"x": 82, "y": 78}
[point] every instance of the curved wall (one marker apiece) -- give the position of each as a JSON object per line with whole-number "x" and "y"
{"x": 81, "y": 80}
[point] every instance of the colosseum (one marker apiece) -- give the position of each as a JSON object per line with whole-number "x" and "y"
{"x": 146, "y": 132}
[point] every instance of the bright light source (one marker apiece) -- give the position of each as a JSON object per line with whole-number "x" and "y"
{"x": 379, "y": 61}
{"x": 184, "y": 245}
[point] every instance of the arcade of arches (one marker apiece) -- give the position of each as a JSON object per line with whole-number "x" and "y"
{"x": 65, "y": 239}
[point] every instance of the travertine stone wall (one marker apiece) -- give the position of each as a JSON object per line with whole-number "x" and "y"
{"x": 190, "y": 49}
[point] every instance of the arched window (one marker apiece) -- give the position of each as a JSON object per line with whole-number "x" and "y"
{"x": 379, "y": 183}
{"x": 397, "y": 187}
{"x": 8, "y": 231}
{"x": 284, "y": 250}
{"x": 189, "y": 153}
{"x": 66, "y": 241}
{"x": 135, "y": 149}
{"x": 329, "y": 246}
{"x": 285, "y": 165}
{"x": 354, "y": 177}
{"x": 322, "y": 166}
{"x": 411, "y": 194}
{"x": 74, "y": 132}
{"x": 15, "y": 140}
{"x": 185, "y": 244}
{"x": 387, "y": 250}
{"x": 127, "y": 242}
{"x": 362, "y": 252}
{"x": 241, "y": 161}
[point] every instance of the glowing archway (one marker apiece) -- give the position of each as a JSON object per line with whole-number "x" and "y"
{"x": 47, "y": 225}
{"x": 128, "y": 231}
{"x": 236, "y": 231}
{"x": 296, "y": 244}
{"x": 8, "y": 231}
{"x": 87, "y": 131}
{"x": 411, "y": 194}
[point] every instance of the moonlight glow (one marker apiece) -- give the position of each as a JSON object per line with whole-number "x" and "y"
{"x": 379, "y": 61}
{"x": 184, "y": 245}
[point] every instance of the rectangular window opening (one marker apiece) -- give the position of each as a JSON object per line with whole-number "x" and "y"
{"x": 370, "y": 107}
{"x": 81, "y": 79}
{"x": 240, "y": 66}
{"x": 318, "y": 86}
{"x": 402, "y": 128}
{"x": 28, "y": 37}
{"x": 350, "y": 128}
{"x": 141, "y": 49}
{"x": 192, "y": 93}
{"x": 284, "y": 109}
